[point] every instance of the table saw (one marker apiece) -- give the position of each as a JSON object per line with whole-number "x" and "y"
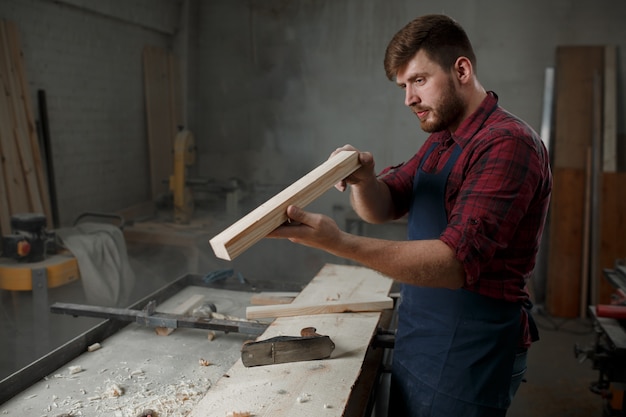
{"x": 120, "y": 369}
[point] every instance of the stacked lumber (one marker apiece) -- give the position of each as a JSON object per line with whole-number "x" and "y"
{"x": 23, "y": 186}
{"x": 163, "y": 98}
{"x": 587, "y": 227}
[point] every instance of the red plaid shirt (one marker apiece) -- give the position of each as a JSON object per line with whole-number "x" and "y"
{"x": 497, "y": 197}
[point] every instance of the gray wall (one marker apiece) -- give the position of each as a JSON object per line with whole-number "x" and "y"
{"x": 86, "y": 56}
{"x": 282, "y": 84}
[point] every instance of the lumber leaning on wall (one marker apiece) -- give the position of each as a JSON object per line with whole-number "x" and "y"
{"x": 268, "y": 216}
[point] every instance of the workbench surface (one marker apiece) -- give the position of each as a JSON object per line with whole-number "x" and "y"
{"x": 186, "y": 373}
{"x": 163, "y": 373}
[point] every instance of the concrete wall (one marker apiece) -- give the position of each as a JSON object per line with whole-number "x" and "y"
{"x": 282, "y": 84}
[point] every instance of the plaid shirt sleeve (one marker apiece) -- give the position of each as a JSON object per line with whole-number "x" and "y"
{"x": 498, "y": 214}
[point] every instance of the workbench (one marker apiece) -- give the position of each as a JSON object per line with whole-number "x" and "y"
{"x": 183, "y": 373}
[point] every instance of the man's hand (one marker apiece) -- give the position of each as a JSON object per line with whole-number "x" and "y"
{"x": 364, "y": 173}
{"x": 309, "y": 229}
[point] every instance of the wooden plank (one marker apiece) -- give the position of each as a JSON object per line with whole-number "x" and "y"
{"x": 327, "y": 307}
{"x": 5, "y": 214}
{"x": 609, "y": 110}
{"x": 335, "y": 289}
{"x": 13, "y": 176}
{"x": 20, "y": 124}
{"x": 38, "y": 166}
{"x": 596, "y": 183}
{"x": 344, "y": 282}
{"x": 576, "y": 78}
{"x": 258, "y": 223}
{"x": 161, "y": 129}
{"x": 319, "y": 388}
{"x": 612, "y": 231}
{"x": 565, "y": 245}
{"x": 299, "y": 388}
{"x": 272, "y": 298}
{"x": 585, "y": 272}
{"x": 574, "y": 74}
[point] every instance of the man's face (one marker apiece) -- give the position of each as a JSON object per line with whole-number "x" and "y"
{"x": 431, "y": 94}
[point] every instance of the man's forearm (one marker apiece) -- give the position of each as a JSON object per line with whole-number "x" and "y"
{"x": 429, "y": 263}
{"x": 372, "y": 201}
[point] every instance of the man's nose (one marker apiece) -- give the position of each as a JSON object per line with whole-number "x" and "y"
{"x": 410, "y": 98}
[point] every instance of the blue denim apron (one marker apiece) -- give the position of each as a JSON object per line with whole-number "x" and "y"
{"x": 454, "y": 349}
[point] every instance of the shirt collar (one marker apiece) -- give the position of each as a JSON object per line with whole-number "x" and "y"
{"x": 474, "y": 122}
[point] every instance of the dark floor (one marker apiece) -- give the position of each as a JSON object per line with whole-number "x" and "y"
{"x": 557, "y": 383}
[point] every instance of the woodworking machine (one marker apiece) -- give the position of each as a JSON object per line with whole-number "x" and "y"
{"x": 608, "y": 353}
{"x": 31, "y": 259}
{"x": 34, "y": 260}
{"x": 184, "y": 157}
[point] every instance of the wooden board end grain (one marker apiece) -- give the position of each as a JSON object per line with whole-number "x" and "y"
{"x": 258, "y": 223}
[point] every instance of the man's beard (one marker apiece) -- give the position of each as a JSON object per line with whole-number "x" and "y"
{"x": 446, "y": 113}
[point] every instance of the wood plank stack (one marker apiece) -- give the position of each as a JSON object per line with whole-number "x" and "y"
{"x": 163, "y": 97}
{"x": 23, "y": 186}
{"x": 587, "y": 226}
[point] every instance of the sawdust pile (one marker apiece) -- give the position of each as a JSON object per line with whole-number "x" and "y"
{"x": 129, "y": 396}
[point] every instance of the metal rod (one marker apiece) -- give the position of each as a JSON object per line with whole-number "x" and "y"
{"x": 156, "y": 319}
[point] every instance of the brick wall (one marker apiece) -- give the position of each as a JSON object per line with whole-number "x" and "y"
{"x": 86, "y": 56}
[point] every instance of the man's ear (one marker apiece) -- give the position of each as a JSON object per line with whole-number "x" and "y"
{"x": 463, "y": 69}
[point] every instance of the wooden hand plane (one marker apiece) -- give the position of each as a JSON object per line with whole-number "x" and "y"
{"x": 283, "y": 349}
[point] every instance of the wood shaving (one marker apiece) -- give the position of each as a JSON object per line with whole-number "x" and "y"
{"x": 74, "y": 369}
{"x": 204, "y": 362}
{"x": 94, "y": 347}
{"x": 302, "y": 398}
{"x": 238, "y": 414}
{"x": 114, "y": 391}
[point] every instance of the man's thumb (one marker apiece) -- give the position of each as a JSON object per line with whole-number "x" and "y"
{"x": 294, "y": 213}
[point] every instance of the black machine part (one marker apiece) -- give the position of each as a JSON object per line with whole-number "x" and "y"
{"x": 608, "y": 353}
{"x": 27, "y": 242}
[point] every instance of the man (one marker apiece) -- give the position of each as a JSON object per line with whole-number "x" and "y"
{"x": 476, "y": 195}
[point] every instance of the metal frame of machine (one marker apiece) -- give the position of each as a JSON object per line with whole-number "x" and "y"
{"x": 37, "y": 370}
